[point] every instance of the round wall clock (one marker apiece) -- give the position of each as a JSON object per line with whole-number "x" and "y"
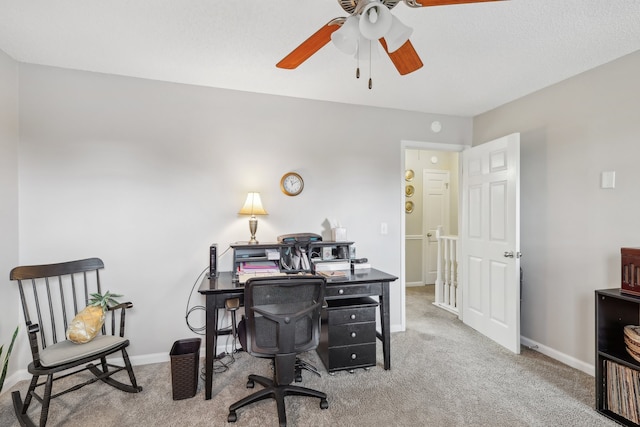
{"x": 291, "y": 184}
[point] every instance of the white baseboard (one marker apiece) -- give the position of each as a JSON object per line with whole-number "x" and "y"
{"x": 560, "y": 357}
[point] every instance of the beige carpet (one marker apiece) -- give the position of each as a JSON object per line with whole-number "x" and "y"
{"x": 443, "y": 374}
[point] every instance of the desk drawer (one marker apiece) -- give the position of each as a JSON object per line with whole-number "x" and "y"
{"x": 339, "y": 290}
{"x": 354, "y": 333}
{"x": 348, "y": 315}
{"x": 353, "y": 356}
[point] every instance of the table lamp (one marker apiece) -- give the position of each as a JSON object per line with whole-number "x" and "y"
{"x": 253, "y": 206}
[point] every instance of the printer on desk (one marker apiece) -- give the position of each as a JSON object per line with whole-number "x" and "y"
{"x": 299, "y": 238}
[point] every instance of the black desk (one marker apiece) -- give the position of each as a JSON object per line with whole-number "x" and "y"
{"x": 366, "y": 283}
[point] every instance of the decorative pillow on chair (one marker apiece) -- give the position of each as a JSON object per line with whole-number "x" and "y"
{"x": 87, "y": 324}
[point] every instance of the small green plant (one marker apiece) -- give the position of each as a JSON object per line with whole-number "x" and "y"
{"x": 104, "y": 301}
{"x": 5, "y": 362}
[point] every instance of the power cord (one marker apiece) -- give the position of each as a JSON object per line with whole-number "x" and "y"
{"x": 188, "y": 311}
{"x": 200, "y": 329}
{"x": 223, "y": 361}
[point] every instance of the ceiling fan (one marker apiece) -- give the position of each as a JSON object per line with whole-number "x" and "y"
{"x": 372, "y": 20}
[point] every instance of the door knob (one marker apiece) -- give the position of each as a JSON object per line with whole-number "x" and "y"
{"x": 429, "y": 234}
{"x": 508, "y": 254}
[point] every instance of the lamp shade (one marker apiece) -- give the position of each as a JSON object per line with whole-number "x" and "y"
{"x": 346, "y": 37}
{"x": 376, "y": 20}
{"x": 398, "y": 35}
{"x": 253, "y": 205}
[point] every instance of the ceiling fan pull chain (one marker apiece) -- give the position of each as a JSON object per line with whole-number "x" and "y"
{"x": 370, "y": 55}
{"x": 358, "y": 60}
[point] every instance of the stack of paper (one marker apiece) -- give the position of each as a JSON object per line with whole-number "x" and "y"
{"x": 332, "y": 265}
{"x": 250, "y": 267}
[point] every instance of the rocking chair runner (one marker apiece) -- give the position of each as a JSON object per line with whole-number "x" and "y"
{"x": 56, "y": 293}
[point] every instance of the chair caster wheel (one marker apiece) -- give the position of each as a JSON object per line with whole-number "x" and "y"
{"x": 232, "y": 417}
{"x": 251, "y": 384}
{"x": 324, "y": 404}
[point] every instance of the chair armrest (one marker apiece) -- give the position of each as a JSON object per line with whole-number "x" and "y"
{"x": 32, "y": 331}
{"x": 33, "y": 328}
{"x": 122, "y": 307}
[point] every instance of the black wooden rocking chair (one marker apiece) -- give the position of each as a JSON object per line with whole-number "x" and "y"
{"x": 56, "y": 293}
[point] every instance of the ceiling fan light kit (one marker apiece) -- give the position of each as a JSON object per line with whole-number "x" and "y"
{"x": 370, "y": 20}
{"x": 397, "y": 35}
{"x": 375, "y": 20}
{"x": 347, "y": 36}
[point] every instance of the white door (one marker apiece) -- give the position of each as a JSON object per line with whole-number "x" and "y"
{"x": 435, "y": 188}
{"x": 490, "y": 240}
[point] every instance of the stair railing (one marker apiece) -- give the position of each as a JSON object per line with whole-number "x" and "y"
{"x": 446, "y": 292}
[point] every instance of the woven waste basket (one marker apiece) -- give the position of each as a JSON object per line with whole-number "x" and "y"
{"x": 185, "y": 357}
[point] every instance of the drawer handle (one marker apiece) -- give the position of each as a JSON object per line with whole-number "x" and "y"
{"x": 353, "y": 356}
{"x": 353, "y": 334}
{"x": 353, "y": 316}
{"x": 341, "y": 291}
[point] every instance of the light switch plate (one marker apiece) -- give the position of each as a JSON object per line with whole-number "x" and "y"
{"x": 608, "y": 179}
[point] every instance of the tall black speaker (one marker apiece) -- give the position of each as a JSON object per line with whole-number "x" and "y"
{"x": 213, "y": 260}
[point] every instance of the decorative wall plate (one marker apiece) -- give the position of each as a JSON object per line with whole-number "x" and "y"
{"x": 408, "y": 175}
{"x": 408, "y": 207}
{"x": 409, "y": 190}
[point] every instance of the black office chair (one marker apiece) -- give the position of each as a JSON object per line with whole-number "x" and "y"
{"x": 54, "y": 294}
{"x": 282, "y": 320}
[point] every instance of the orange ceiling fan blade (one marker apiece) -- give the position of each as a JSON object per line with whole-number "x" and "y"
{"x": 405, "y": 59}
{"x": 310, "y": 46}
{"x": 426, "y": 3}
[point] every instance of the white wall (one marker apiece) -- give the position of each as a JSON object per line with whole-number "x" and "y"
{"x": 8, "y": 203}
{"x": 572, "y": 230}
{"x": 146, "y": 175}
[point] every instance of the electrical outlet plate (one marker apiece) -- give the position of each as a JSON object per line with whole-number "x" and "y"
{"x": 384, "y": 229}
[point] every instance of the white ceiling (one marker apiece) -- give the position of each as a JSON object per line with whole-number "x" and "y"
{"x": 476, "y": 56}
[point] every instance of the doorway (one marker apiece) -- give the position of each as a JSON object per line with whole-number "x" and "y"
{"x": 431, "y": 200}
{"x": 409, "y": 246}
{"x": 498, "y": 202}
